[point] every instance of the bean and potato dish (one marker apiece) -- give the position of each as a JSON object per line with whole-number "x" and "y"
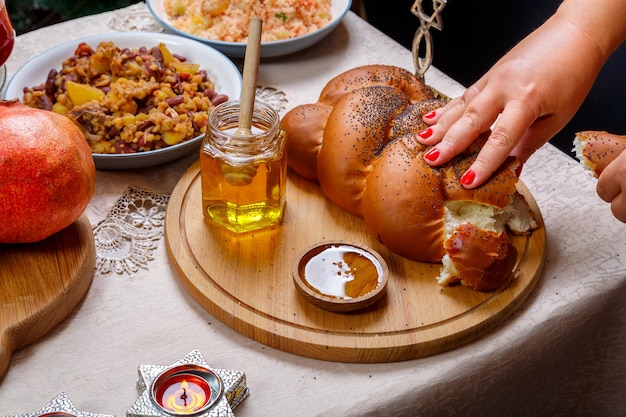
{"x": 128, "y": 101}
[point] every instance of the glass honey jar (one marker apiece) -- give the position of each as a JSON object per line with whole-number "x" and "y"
{"x": 243, "y": 176}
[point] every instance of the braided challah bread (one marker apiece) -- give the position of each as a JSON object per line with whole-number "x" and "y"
{"x": 358, "y": 142}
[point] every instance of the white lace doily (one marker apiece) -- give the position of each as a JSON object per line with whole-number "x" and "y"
{"x": 272, "y": 97}
{"x": 134, "y": 18}
{"x": 127, "y": 238}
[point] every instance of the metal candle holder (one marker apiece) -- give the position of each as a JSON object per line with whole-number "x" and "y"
{"x": 422, "y": 36}
{"x": 60, "y": 406}
{"x": 223, "y": 389}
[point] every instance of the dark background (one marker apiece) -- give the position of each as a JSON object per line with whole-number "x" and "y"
{"x": 27, "y": 15}
{"x": 477, "y": 33}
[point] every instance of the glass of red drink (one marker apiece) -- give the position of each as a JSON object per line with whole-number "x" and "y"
{"x": 7, "y": 38}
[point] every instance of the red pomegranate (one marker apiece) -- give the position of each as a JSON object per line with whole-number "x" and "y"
{"x": 47, "y": 173}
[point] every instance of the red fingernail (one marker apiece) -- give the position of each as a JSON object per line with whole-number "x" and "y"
{"x": 426, "y": 133}
{"x": 518, "y": 170}
{"x": 432, "y": 155}
{"x": 430, "y": 114}
{"x": 468, "y": 177}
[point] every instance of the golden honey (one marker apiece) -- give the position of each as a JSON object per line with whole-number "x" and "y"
{"x": 341, "y": 271}
{"x": 243, "y": 176}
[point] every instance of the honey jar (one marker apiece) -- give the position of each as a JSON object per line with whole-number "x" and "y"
{"x": 243, "y": 176}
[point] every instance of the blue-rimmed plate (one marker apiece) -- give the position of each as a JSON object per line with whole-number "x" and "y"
{"x": 339, "y": 8}
{"x": 220, "y": 69}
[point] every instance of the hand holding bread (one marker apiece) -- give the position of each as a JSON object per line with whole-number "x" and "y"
{"x": 532, "y": 91}
{"x": 359, "y": 143}
{"x": 603, "y": 154}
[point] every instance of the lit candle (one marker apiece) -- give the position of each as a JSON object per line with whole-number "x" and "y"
{"x": 183, "y": 393}
{"x": 186, "y": 389}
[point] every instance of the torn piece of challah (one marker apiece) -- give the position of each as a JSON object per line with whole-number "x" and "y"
{"x": 596, "y": 149}
{"x": 358, "y": 142}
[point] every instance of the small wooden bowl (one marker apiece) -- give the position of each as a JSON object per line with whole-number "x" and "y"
{"x": 340, "y": 276}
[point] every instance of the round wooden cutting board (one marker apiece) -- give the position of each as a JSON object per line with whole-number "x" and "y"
{"x": 245, "y": 281}
{"x": 41, "y": 283}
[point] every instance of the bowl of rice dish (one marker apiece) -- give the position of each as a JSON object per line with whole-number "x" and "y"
{"x": 288, "y": 25}
{"x": 140, "y": 99}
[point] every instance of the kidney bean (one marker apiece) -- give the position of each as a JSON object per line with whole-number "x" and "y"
{"x": 180, "y": 57}
{"x": 204, "y": 75}
{"x": 209, "y": 93}
{"x": 112, "y": 132}
{"x": 145, "y": 125}
{"x": 156, "y": 52}
{"x": 158, "y": 144}
{"x": 219, "y": 99}
{"x": 145, "y": 109}
{"x": 151, "y": 72}
{"x": 178, "y": 85}
{"x": 50, "y": 86}
{"x": 45, "y": 102}
{"x": 175, "y": 101}
{"x": 122, "y": 147}
{"x": 83, "y": 49}
{"x": 69, "y": 77}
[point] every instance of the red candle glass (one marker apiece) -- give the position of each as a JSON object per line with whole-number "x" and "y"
{"x": 7, "y": 34}
{"x": 186, "y": 389}
{"x": 56, "y": 414}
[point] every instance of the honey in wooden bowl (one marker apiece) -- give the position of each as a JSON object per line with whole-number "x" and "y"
{"x": 340, "y": 277}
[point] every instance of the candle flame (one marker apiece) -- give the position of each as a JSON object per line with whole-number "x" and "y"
{"x": 186, "y": 399}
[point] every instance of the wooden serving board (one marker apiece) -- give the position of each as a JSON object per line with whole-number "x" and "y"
{"x": 245, "y": 281}
{"x": 41, "y": 283}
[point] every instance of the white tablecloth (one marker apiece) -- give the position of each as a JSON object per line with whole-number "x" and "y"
{"x": 562, "y": 353}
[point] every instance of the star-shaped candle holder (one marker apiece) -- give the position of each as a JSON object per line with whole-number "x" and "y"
{"x": 60, "y": 406}
{"x": 188, "y": 387}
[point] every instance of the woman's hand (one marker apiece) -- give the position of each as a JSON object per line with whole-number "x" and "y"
{"x": 526, "y": 97}
{"x": 611, "y": 186}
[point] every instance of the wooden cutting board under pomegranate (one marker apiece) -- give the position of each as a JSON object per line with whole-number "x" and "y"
{"x": 47, "y": 251}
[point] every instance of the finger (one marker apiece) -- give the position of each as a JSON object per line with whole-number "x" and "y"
{"x": 608, "y": 186}
{"x": 537, "y": 134}
{"x": 433, "y": 134}
{"x": 611, "y": 186}
{"x": 433, "y": 116}
{"x": 442, "y": 118}
{"x": 510, "y": 127}
{"x": 607, "y": 190}
{"x": 618, "y": 207}
{"x": 476, "y": 118}
{"x": 457, "y": 105}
